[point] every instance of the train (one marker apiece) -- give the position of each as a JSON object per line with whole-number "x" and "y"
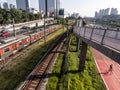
{"x": 10, "y": 46}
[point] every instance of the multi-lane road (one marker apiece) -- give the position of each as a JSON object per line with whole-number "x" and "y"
{"x": 31, "y": 27}
{"x": 29, "y": 24}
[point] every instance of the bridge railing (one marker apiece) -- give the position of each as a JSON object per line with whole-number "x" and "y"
{"x": 105, "y": 37}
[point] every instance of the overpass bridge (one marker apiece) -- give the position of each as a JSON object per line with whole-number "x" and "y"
{"x": 107, "y": 41}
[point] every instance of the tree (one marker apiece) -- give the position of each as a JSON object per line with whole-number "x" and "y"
{"x": 37, "y": 16}
{"x": 17, "y": 15}
{"x": 31, "y": 17}
{"x": 6, "y": 17}
{"x": 24, "y": 16}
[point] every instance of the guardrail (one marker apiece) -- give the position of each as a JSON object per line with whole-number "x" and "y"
{"x": 106, "y": 37}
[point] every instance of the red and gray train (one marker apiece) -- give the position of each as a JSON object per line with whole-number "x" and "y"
{"x": 11, "y": 47}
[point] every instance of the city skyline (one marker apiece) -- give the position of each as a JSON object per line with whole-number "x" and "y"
{"x": 88, "y": 7}
{"x": 84, "y": 8}
{"x": 107, "y": 11}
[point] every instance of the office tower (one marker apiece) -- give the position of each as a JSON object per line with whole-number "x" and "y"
{"x": 107, "y": 11}
{"x": 75, "y": 15}
{"x": 51, "y": 5}
{"x": 23, "y": 5}
{"x": 96, "y": 14}
{"x": 0, "y": 5}
{"x": 62, "y": 13}
{"x": 114, "y": 11}
{"x": 5, "y": 6}
{"x": 11, "y": 6}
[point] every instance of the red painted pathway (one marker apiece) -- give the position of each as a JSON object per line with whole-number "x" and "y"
{"x": 110, "y": 78}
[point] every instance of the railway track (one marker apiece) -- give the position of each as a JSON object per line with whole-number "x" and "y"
{"x": 38, "y": 75}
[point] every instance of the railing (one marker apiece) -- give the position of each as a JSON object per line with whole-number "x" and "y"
{"x": 106, "y": 37}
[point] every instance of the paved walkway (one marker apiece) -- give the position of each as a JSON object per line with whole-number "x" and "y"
{"x": 110, "y": 78}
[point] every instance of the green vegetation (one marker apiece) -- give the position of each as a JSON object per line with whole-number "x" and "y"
{"x": 6, "y": 17}
{"x": 16, "y": 73}
{"x": 87, "y": 80}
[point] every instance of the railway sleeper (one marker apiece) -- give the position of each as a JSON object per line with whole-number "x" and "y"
{"x": 42, "y": 69}
{"x": 34, "y": 81}
{"x": 30, "y": 88}
{"x": 40, "y": 72}
{"x": 34, "y": 84}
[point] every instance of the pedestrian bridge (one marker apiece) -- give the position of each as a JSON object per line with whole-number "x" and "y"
{"x": 106, "y": 41}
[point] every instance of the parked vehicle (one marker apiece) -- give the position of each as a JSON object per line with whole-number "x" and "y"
{"x": 4, "y": 33}
{"x": 25, "y": 27}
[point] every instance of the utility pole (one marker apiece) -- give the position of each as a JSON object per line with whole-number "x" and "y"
{"x": 56, "y": 7}
{"x": 46, "y": 9}
{"x": 14, "y": 27}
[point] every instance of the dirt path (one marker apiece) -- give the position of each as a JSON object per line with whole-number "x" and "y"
{"x": 110, "y": 78}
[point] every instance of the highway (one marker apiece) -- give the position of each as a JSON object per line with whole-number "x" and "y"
{"x": 29, "y": 24}
{"x": 31, "y": 27}
{"x": 26, "y": 31}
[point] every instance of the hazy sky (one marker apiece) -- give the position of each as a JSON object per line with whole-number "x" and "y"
{"x": 88, "y": 7}
{"x": 83, "y": 7}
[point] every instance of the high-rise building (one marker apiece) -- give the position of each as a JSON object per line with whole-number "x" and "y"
{"x": 42, "y": 6}
{"x": 52, "y": 5}
{"x": 0, "y": 5}
{"x": 23, "y": 4}
{"x": 107, "y": 11}
{"x": 96, "y": 14}
{"x": 114, "y": 11}
{"x": 63, "y": 13}
{"x": 102, "y": 12}
{"x": 75, "y": 15}
{"x": 5, "y": 6}
{"x": 11, "y": 6}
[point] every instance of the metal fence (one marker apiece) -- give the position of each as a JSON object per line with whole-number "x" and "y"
{"x": 105, "y": 37}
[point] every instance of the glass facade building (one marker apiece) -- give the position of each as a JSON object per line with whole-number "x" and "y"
{"x": 22, "y": 4}
{"x": 51, "y": 5}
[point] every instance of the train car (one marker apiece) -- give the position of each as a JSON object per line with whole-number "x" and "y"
{"x": 25, "y": 41}
{"x": 17, "y": 43}
{"x": 39, "y": 34}
{"x": 7, "y": 49}
{"x": 36, "y": 36}
{"x": 47, "y": 31}
{"x": 12, "y": 47}
{"x": 33, "y": 37}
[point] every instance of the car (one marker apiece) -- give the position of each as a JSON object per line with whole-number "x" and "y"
{"x": 4, "y": 33}
{"x": 25, "y": 27}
